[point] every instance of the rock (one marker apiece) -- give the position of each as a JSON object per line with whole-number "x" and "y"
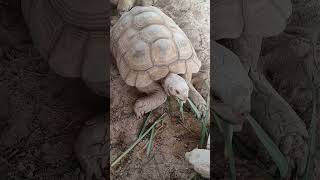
{"x": 200, "y": 159}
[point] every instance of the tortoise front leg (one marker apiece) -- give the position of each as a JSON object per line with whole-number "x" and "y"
{"x": 195, "y": 96}
{"x": 156, "y": 97}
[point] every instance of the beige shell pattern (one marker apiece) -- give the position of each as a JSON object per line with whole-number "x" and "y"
{"x": 147, "y": 45}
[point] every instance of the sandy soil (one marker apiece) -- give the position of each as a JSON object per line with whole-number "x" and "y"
{"x": 46, "y": 112}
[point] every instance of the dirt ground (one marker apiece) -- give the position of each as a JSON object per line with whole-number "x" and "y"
{"x": 46, "y": 112}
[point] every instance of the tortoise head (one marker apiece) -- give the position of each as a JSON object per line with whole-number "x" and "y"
{"x": 176, "y": 86}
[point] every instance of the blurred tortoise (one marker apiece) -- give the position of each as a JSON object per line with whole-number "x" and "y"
{"x": 71, "y": 35}
{"x": 151, "y": 51}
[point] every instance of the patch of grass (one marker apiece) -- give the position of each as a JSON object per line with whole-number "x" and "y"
{"x": 181, "y": 119}
{"x": 227, "y": 130}
{"x": 203, "y": 120}
{"x": 117, "y": 160}
{"x": 275, "y": 153}
{"x": 194, "y": 109}
{"x": 204, "y": 129}
{"x": 150, "y": 142}
{"x": 271, "y": 147}
{"x": 145, "y": 124}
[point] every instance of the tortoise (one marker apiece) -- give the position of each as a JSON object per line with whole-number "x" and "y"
{"x": 71, "y": 35}
{"x": 154, "y": 55}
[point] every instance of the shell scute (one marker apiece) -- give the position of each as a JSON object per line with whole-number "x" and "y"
{"x": 143, "y": 79}
{"x": 191, "y": 66}
{"x": 159, "y": 72}
{"x": 131, "y": 78}
{"x": 125, "y": 42}
{"x": 154, "y": 32}
{"x": 147, "y": 18}
{"x": 138, "y": 57}
{"x": 163, "y": 52}
{"x": 123, "y": 68}
{"x": 118, "y": 29}
{"x": 178, "y": 67}
{"x": 184, "y": 46}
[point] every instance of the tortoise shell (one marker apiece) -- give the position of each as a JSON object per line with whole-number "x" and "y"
{"x": 148, "y": 45}
{"x": 71, "y": 34}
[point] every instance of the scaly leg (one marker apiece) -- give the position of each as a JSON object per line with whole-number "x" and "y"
{"x": 125, "y": 5}
{"x": 156, "y": 97}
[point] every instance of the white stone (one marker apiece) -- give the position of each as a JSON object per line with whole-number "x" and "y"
{"x": 200, "y": 159}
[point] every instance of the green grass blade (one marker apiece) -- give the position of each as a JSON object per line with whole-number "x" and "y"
{"x": 227, "y": 130}
{"x": 273, "y": 150}
{"x": 228, "y": 137}
{"x": 217, "y": 118}
{"x": 145, "y": 124}
{"x": 137, "y": 141}
{"x": 150, "y": 142}
{"x": 204, "y": 129}
{"x": 194, "y": 109}
{"x": 180, "y": 104}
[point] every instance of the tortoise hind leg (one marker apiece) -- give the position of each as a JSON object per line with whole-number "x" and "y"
{"x": 125, "y": 5}
{"x": 145, "y": 2}
{"x": 156, "y": 97}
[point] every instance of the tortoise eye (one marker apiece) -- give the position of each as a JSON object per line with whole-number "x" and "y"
{"x": 177, "y": 92}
